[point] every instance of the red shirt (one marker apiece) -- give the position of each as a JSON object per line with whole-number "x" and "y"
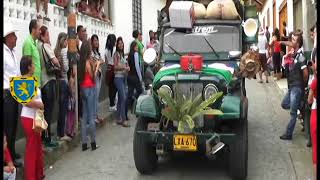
{"x": 7, "y": 157}
{"x": 313, "y": 87}
{"x": 276, "y": 46}
{"x": 88, "y": 81}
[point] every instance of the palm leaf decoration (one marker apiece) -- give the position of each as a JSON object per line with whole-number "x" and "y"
{"x": 185, "y": 110}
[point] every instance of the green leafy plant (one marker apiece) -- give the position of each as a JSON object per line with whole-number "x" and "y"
{"x": 185, "y": 110}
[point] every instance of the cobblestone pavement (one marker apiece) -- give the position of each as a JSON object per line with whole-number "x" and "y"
{"x": 269, "y": 157}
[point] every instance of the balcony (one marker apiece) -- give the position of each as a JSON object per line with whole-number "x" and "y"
{"x": 20, "y": 12}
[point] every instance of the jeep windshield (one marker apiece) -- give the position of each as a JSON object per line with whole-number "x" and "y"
{"x": 222, "y": 37}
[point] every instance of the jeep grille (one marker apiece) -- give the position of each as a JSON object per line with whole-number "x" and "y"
{"x": 189, "y": 87}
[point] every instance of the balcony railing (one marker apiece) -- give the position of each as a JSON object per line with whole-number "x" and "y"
{"x": 20, "y": 12}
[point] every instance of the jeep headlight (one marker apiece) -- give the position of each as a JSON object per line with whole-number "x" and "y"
{"x": 166, "y": 89}
{"x": 209, "y": 90}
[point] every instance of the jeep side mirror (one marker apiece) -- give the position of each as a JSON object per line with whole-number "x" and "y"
{"x": 149, "y": 56}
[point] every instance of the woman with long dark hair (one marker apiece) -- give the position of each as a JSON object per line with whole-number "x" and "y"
{"x": 88, "y": 70}
{"x": 110, "y": 44}
{"x": 61, "y": 52}
{"x": 121, "y": 68}
{"x": 135, "y": 74}
{"x": 97, "y": 57}
{"x": 275, "y": 44}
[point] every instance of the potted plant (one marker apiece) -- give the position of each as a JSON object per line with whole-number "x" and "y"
{"x": 185, "y": 110}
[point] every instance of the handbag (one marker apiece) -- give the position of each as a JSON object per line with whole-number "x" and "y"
{"x": 39, "y": 123}
{"x": 50, "y": 67}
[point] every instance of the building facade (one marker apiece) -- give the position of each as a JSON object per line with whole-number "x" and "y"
{"x": 298, "y": 14}
{"x": 120, "y": 12}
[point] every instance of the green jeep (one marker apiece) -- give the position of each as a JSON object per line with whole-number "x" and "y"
{"x": 221, "y": 44}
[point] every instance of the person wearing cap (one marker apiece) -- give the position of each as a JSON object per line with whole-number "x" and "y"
{"x": 262, "y": 46}
{"x": 11, "y": 68}
{"x": 29, "y": 48}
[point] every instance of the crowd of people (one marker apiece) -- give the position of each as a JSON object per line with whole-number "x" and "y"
{"x": 93, "y": 8}
{"x": 56, "y": 74}
{"x": 288, "y": 60}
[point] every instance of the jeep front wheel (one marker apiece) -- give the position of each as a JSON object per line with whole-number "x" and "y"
{"x": 144, "y": 154}
{"x": 238, "y": 157}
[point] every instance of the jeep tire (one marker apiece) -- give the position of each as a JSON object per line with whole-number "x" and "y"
{"x": 238, "y": 157}
{"x": 144, "y": 154}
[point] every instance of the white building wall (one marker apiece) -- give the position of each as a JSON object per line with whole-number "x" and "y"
{"x": 149, "y": 16}
{"x": 20, "y": 12}
{"x": 121, "y": 15}
{"x": 122, "y": 20}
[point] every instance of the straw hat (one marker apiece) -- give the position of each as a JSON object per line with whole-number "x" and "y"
{"x": 8, "y": 29}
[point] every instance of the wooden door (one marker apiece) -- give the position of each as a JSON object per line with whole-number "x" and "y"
{"x": 283, "y": 18}
{"x": 274, "y": 16}
{"x": 268, "y": 19}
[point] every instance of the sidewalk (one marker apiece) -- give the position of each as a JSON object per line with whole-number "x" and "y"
{"x": 52, "y": 155}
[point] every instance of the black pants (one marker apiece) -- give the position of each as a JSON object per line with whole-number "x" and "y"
{"x": 133, "y": 84}
{"x": 112, "y": 93}
{"x": 10, "y": 120}
{"x": 63, "y": 107}
{"x": 48, "y": 98}
{"x": 276, "y": 62}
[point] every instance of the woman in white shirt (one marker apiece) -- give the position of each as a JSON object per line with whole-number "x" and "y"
{"x": 110, "y": 49}
{"x": 33, "y": 159}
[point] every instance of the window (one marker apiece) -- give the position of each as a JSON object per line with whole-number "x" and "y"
{"x": 136, "y": 15}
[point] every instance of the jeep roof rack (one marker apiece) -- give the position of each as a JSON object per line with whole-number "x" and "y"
{"x": 211, "y": 21}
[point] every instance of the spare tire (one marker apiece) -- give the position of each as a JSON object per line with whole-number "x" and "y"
{"x": 222, "y": 9}
{"x": 199, "y": 10}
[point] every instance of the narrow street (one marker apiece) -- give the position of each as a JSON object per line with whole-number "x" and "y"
{"x": 269, "y": 157}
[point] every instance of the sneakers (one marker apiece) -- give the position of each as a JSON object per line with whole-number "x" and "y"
{"x": 285, "y": 137}
{"x": 65, "y": 138}
{"x": 94, "y": 146}
{"x": 112, "y": 108}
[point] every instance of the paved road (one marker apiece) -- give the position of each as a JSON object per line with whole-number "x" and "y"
{"x": 269, "y": 157}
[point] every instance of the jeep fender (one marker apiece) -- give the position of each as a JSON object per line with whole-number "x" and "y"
{"x": 146, "y": 107}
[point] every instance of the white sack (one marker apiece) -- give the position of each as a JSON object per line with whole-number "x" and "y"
{"x": 222, "y": 9}
{"x": 199, "y": 10}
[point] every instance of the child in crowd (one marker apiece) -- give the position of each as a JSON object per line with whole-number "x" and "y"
{"x": 9, "y": 171}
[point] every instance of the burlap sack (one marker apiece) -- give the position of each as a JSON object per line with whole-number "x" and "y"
{"x": 249, "y": 64}
{"x": 222, "y": 9}
{"x": 199, "y": 10}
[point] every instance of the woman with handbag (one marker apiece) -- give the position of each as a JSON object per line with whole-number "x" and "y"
{"x": 121, "y": 69}
{"x": 33, "y": 125}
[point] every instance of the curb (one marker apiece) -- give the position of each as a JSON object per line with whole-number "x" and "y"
{"x": 53, "y": 155}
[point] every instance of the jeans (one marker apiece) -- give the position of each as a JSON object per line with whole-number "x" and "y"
{"x": 292, "y": 101}
{"x": 88, "y": 119}
{"x": 48, "y": 93}
{"x": 122, "y": 97}
{"x": 98, "y": 87}
{"x": 63, "y": 107}
{"x": 10, "y": 120}
{"x": 9, "y": 176}
{"x": 133, "y": 84}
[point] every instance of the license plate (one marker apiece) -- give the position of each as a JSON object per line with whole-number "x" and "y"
{"x": 184, "y": 143}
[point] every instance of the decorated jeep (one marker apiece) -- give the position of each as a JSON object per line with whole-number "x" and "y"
{"x": 198, "y": 98}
